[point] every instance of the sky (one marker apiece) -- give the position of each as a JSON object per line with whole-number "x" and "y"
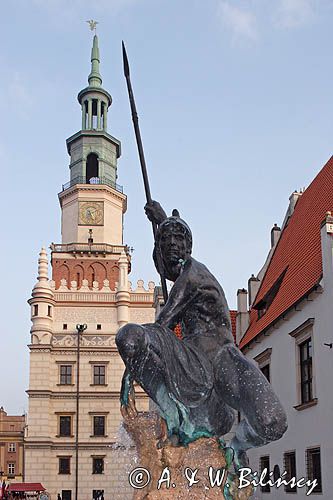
{"x": 235, "y": 102}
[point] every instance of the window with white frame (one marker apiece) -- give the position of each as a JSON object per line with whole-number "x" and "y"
{"x": 11, "y": 468}
{"x": 11, "y": 447}
{"x": 305, "y": 374}
{"x": 305, "y": 361}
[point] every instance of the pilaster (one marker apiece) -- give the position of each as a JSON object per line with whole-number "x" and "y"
{"x": 123, "y": 295}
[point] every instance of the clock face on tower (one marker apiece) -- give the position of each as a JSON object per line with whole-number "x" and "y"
{"x": 91, "y": 213}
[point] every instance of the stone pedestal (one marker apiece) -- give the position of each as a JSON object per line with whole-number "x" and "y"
{"x": 172, "y": 467}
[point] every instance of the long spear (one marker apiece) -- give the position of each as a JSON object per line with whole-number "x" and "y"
{"x": 141, "y": 156}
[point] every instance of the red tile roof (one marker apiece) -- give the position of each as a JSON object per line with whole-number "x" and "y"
{"x": 233, "y": 323}
{"x": 298, "y": 251}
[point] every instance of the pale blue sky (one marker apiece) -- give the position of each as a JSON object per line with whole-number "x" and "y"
{"x": 235, "y": 100}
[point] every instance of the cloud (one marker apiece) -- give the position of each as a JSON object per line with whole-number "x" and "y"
{"x": 240, "y": 22}
{"x": 294, "y": 13}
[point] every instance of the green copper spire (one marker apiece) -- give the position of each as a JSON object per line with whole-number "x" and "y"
{"x": 95, "y": 79}
{"x": 94, "y": 100}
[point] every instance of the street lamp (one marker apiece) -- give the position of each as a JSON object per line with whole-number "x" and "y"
{"x": 80, "y": 329}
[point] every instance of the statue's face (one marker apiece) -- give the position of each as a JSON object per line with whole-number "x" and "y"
{"x": 173, "y": 245}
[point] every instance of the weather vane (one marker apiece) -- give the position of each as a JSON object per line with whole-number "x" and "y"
{"x": 92, "y": 24}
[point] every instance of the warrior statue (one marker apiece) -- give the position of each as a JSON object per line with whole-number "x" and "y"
{"x": 199, "y": 380}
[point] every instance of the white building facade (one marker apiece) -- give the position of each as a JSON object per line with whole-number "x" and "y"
{"x": 288, "y": 333}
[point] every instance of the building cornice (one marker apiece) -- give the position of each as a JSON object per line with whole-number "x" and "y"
{"x": 295, "y": 333}
{"x": 263, "y": 356}
{"x": 94, "y": 133}
{"x": 109, "y": 446}
{"x": 94, "y": 187}
{"x": 39, "y": 394}
{"x": 42, "y": 298}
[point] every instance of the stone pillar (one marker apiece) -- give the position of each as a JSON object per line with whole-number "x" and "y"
{"x": 83, "y": 115}
{"x": 105, "y": 116}
{"x": 123, "y": 295}
{"x": 99, "y": 106}
{"x": 89, "y": 114}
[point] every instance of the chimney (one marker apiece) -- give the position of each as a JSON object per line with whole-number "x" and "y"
{"x": 293, "y": 199}
{"x": 327, "y": 249}
{"x": 275, "y": 235}
{"x": 253, "y": 287}
{"x": 242, "y": 317}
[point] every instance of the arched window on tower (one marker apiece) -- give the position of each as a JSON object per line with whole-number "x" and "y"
{"x": 94, "y": 114}
{"x": 92, "y": 167}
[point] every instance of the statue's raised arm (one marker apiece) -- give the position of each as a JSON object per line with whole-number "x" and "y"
{"x": 155, "y": 212}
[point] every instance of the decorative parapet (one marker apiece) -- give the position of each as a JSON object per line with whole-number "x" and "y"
{"x": 141, "y": 297}
{"x": 105, "y": 294}
{"x": 93, "y": 248}
{"x": 90, "y": 296}
{"x": 86, "y": 341}
{"x": 100, "y": 296}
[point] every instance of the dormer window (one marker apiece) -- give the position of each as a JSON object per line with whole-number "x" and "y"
{"x": 262, "y": 310}
{"x": 263, "y": 305}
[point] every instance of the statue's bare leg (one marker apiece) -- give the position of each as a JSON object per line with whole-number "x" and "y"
{"x": 242, "y": 386}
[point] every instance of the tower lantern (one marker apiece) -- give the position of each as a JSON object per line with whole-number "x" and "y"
{"x": 93, "y": 151}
